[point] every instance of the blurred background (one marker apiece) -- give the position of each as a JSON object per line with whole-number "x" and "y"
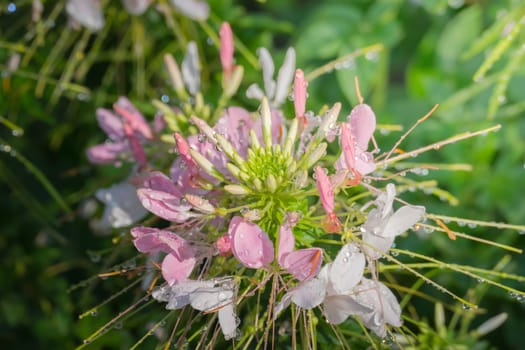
{"x": 466, "y": 55}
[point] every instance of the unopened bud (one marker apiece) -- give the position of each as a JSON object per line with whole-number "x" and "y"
{"x": 206, "y": 165}
{"x": 175, "y": 75}
{"x": 237, "y": 190}
{"x": 271, "y": 183}
{"x": 232, "y": 83}
{"x": 200, "y": 203}
{"x": 316, "y": 154}
{"x": 266, "y": 115}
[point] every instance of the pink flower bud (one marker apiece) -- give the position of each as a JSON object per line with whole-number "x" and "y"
{"x": 226, "y": 48}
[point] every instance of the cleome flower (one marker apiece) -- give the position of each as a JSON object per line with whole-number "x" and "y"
{"x": 248, "y": 197}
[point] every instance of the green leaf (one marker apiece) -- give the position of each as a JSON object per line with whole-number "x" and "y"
{"x": 463, "y": 29}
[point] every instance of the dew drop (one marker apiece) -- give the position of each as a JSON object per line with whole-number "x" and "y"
{"x": 17, "y": 132}
{"x": 165, "y": 98}
{"x": 345, "y": 260}
{"x": 11, "y": 7}
{"x": 502, "y": 99}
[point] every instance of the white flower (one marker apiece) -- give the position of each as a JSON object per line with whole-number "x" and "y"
{"x": 383, "y": 225}
{"x": 275, "y": 91}
{"x": 204, "y": 295}
{"x": 123, "y": 207}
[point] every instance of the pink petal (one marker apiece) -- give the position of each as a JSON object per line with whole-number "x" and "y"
{"x": 326, "y": 192}
{"x": 159, "y": 182}
{"x": 363, "y": 123}
{"x": 364, "y": 162}
{"x": 137, "y": 122}
{"x": 299, "y": 94}
{"x": 226, "y": 48}
{"x": 235, "y": 126}
{"x": 184, "y": 150}
{"x": 110, "y": 123}
{"x": 153, "y": 240}
{"x": 135, "y": 145}
{"x": 175, "y": 270}
{"x": 286, "y": 242}
{"x": 106, "y": 153}
{"x": 250, "y": 245}
{"x": 304, "y": 264}
{"x": 347, "y": 143}
{"x": 164, "y": 205}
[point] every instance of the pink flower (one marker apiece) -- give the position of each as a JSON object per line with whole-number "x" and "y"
{"x": 180, "y": 258}
{"x": 250, "y": 244}
{"x": 303, "y": 264}
{"x": 161, "y": 197}
{"x": 355, "y": 137}
{"x": 331, "y": 223}
{"x": 127, "y": 131}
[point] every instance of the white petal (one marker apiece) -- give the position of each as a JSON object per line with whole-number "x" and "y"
{"x": 404, "y": 218}
{"x": 191, "y": 73}
{"x": 86, "y": 12}
{"x": 282, "y": 304}
{"x": 309, "y": 294}
{"x": 194, "y": 9}
{"x": 123, "y": 207}
{"x": 337, "y": 308}
{"x": 268, "y": 68}
{"x": 285, "y": 77}
{"x": 207, "y": 299}
{"x": 228, "y": 321}
{"x": 347, "y": 269}
{"x": 255, "y": 92}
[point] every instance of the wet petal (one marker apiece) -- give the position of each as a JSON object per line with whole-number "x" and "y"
{"x": 286, "y": 242}
{"x": 403, "y": 219}
{"x": 324, "y": 187}
{"x": 174, "y": 269}
{"x": 347, "y": 269}
{"x": 228, "y": 321}
{"x": 303, "y": 264}
{"x": 363, "y": 124}
{"x": 250, "y": 244}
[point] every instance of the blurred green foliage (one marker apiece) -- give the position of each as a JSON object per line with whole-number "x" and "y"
{"x": 465, "y": 55}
